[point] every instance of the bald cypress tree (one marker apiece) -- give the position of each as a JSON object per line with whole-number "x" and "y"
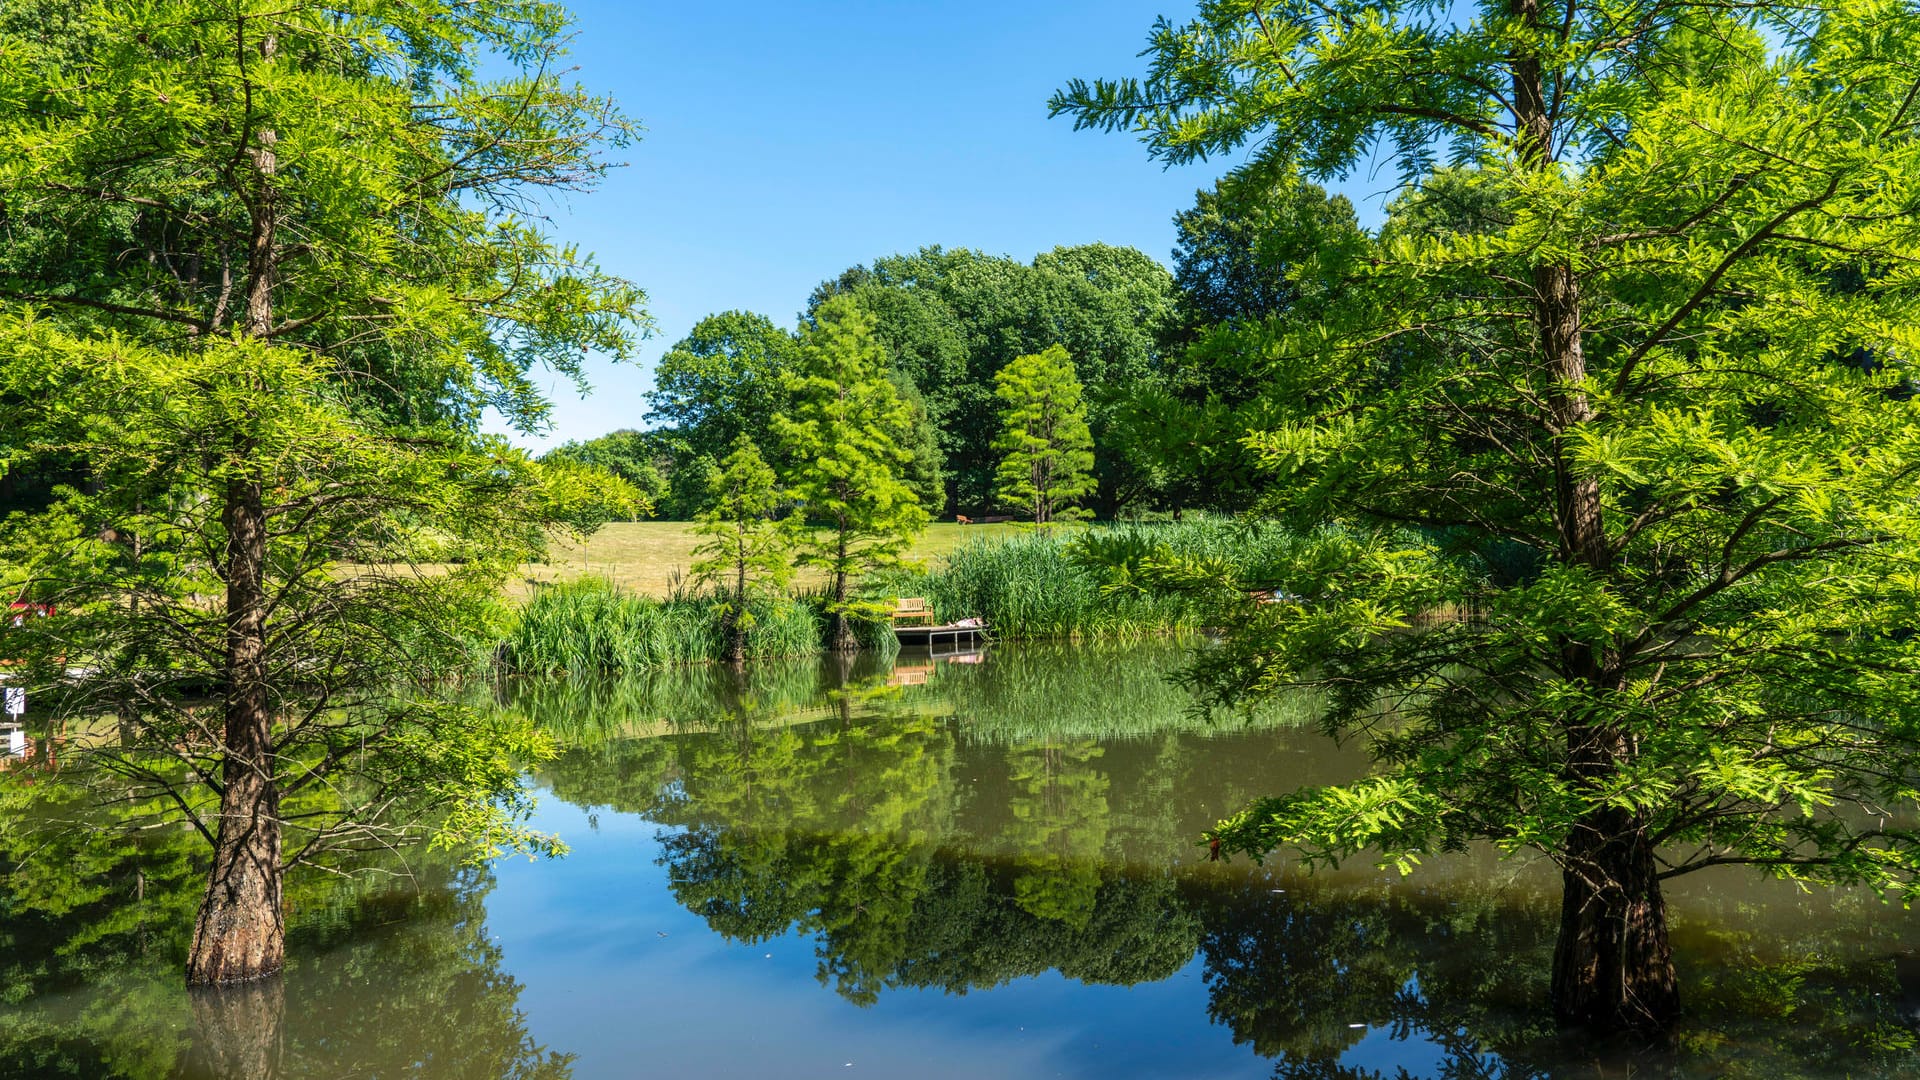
{"x": 1666, "y": 385}
{"x": 1047, "y": 465}
{"x": 846, "y": 431}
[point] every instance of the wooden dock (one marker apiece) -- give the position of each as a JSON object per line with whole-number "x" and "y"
{"x": 950, "y": 634}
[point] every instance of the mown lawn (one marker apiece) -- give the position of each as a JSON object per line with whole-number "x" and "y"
{"x": 651, "y": 557}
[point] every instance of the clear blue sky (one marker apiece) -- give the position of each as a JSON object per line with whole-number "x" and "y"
{"x": 787, "y": 141}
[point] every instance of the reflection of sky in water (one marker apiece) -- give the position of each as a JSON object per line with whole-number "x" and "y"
{"x": 583, "y": 935}
{"x": 1386, "y": 1050}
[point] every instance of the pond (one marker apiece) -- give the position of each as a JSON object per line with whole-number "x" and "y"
{"x": 982, "y": 865}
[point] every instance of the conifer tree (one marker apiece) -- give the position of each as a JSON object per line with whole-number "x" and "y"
{"x": 265, "y": 266}
{"x": 1666, "y": 383}
{"x": 749, "y": 546}
{"x": 1048, "y": 462}
{"x": 845, "y": 430}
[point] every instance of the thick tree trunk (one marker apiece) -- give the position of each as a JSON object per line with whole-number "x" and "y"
{"x": 841, "y": 640}
{"x": 1613, "y": 966}
{"x": 239, "y": 933}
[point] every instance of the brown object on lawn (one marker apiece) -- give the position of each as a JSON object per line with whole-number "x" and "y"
{"x": 912, "y": 609}
{"x": 962, "y": 519}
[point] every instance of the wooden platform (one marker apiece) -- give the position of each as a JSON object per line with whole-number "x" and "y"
{"x": 950, "y": 634}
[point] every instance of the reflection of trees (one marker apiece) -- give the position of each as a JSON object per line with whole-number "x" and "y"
{"x": 952, "y": 836}
{"x": 1461, "y": 969}
{"x": 384, "y": 977}
{"x": 1058, "y": 827}
{"x": 1036, "y": 692}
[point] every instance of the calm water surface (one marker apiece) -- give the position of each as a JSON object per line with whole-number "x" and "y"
{"x": 982, "y": 866}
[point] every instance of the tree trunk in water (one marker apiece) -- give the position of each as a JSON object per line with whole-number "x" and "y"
{"x": 736, "y": 638}
{"x": 239, "y": 933}
{"x": 842, "y": 639}
{"x": 1613, "y": 965}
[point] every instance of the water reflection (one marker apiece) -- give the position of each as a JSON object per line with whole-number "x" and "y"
{"x": 780, "y": 866}
{"x": 387, "y": 976}
{"x": 972, "y": 827}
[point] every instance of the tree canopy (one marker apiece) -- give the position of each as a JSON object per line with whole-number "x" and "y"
{"x": 745, "y": 553}
{"x": 950, "y": 320}
{"x": 1667, "y": 376}
{"x": 266, "y": 265}
{"x": 847, "y": 429}
{"x": 1048, "y": 464}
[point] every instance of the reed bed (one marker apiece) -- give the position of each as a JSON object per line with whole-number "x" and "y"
{"x": 1050, "y": 585}
{"x": 590, "y": 624}
{"x": 1039, "y": 585}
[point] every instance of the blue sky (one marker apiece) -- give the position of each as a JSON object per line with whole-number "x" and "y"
{"x": 785, "y": 142}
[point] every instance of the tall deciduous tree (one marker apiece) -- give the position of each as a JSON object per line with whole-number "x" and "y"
{"x": 951, "y": 319}
{"x": 1671, "y": 370}
{"x": 226, "y": 183}
{"x": 748, "y": 551}
{"x": 638, "y": 457}
{"x": 1048, "y": 464}
{"x": 721, "y": 381}
{"x": 845, "y": 431}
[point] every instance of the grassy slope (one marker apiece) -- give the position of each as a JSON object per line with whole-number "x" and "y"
{"x": 645, "y": 556}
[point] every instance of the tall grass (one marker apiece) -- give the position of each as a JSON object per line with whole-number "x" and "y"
{"x": 1035, "y": 586}
{"x": 590, "y": 624}
{"x": 1046, "y": 585}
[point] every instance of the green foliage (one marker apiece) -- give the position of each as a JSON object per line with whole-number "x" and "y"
{"x": 637, "y": 457}
{"x": 1060, "y": 585}
{"x": 925, "y": 473}
{"x": 266, "y": 266}
{"x": 589, "y": 625}
{"x": 1247, "y": 252}
{"x": 1047, "y": 467}
{"x": 1656, "y": 332}
{"x": 360, "y": 626}
{"x": 725, "y": 379}
{"x": 136, "y": 140}
{"x": 950, "y": 320}
{"x": 745, "y": 555}
{"x": 844, "y": 430}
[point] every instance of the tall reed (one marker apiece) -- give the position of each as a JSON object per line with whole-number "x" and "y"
{"x": 1044, "y": 584}
{"x": 590, "y": 624}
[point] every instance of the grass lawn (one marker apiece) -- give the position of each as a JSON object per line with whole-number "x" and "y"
{"x": 650, "y": 557}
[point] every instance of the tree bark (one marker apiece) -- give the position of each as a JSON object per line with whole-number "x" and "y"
{"x": 736, "y": 637}
{"x": 1613, "y": 965}
{"x": 239, "y": 933}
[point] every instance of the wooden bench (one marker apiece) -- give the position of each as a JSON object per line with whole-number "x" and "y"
{"x": 909, "y": 610}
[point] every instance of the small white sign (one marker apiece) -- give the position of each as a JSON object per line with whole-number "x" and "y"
{"x": 15, "y": 698}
